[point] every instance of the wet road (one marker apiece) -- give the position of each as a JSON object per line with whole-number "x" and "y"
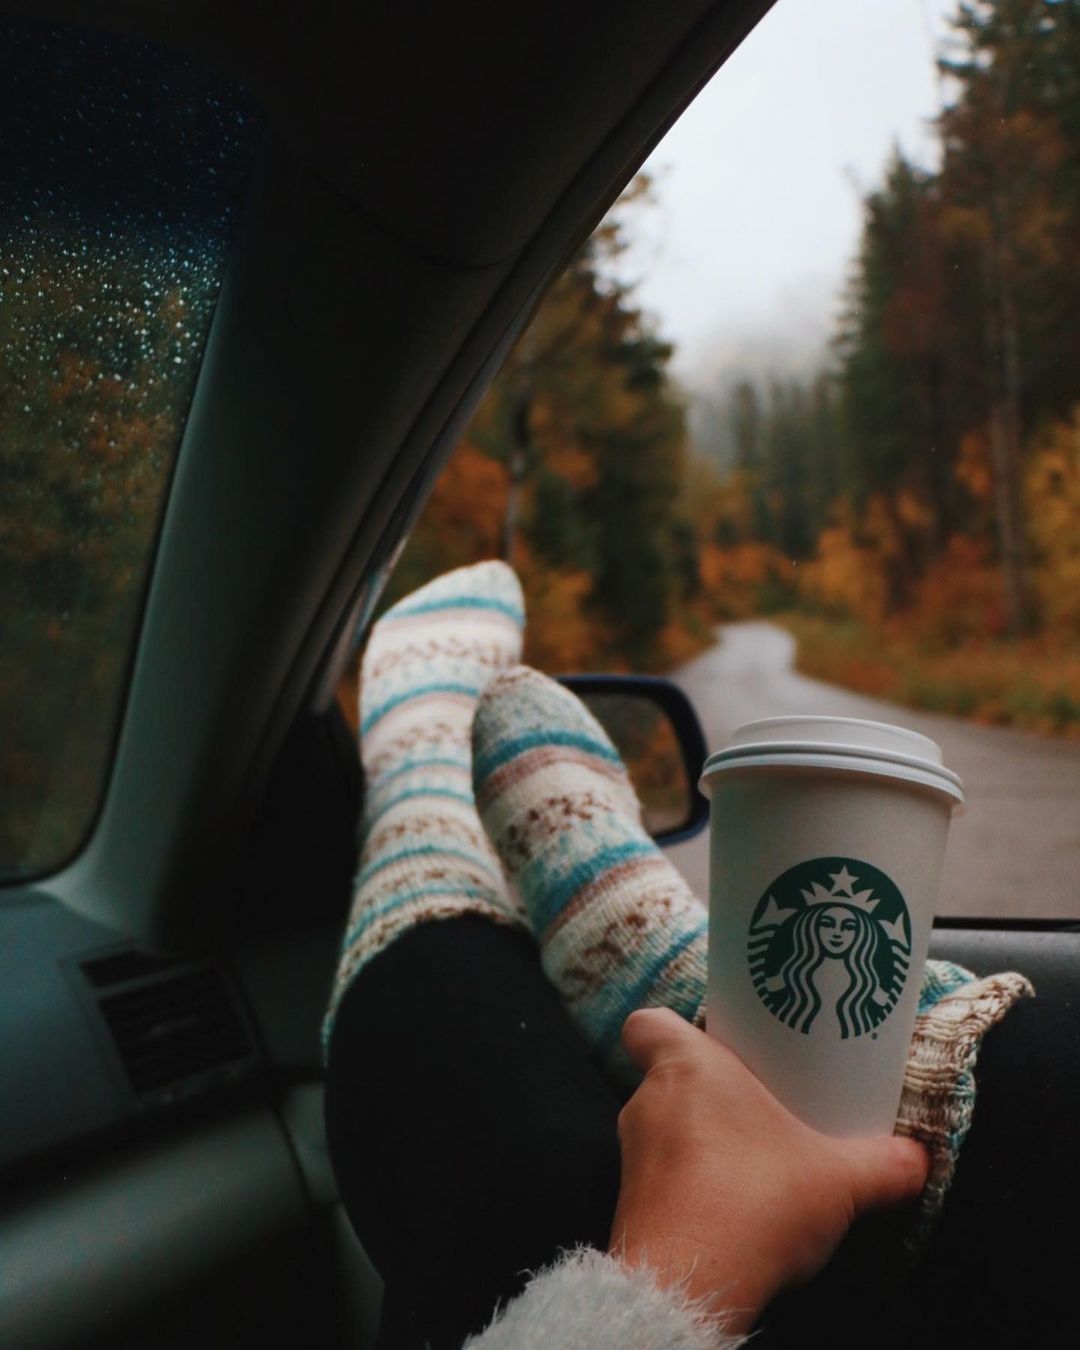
{"x": 1015, "y": 853}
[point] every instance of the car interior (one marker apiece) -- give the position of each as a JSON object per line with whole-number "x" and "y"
{"x": 164, "y": 970}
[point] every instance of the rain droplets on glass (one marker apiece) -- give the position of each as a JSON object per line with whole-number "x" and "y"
{"x": 122, "y": 167}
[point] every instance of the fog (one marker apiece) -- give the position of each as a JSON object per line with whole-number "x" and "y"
{"x": 743, "y": 254}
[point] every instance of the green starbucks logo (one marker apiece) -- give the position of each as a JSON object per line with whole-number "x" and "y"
{"x": 830, "y": 946}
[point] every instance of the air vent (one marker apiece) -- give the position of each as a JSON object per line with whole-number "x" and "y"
{"x": 121, "y": 967}
{"x": 175, "y": 1026}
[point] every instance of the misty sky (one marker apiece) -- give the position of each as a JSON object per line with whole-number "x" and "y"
{"x": 757, "y": 217}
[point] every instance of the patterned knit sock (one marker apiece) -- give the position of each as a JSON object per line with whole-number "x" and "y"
{"x": 956, "y": 1010}
{"x": 619, "y": 930}
{"x": 424, "y": 854}
{"x": 618, "y": 927}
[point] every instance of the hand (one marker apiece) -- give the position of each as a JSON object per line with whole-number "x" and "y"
{"x": 723, "y": 1188}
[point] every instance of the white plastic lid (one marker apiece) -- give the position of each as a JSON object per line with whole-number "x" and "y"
{"x": 841, "y": 743}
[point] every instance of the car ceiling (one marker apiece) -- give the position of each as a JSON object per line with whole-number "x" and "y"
{"x": 427, "y": 166}
{"x": 453, "y": 127}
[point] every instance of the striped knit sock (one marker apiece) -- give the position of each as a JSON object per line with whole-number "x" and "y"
{"x": 424, "y": 854}
{"x": 956, "y": 1010}
{"x": 618, "y": 927}
{"x": 619, "y": 930}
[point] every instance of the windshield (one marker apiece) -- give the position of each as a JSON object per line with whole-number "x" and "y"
{"x": 121, "y": 167}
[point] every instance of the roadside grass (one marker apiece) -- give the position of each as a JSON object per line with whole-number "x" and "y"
{"x": 1033, "y": 684}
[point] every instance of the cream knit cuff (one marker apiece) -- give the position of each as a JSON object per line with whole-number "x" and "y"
{"x": 591, "y": 1301}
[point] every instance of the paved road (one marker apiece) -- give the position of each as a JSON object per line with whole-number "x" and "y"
{"x": 1015, "y": 853}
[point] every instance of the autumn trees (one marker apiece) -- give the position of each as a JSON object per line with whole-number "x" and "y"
{"x": 939, "y": 438}
{"x": 923, "y": 484}
{"x": 574, "y": 471}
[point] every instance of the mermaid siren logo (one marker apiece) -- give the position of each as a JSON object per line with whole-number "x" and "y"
{"x": 831, "y": 934}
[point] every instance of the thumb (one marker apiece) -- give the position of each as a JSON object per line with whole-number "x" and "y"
{"x": 885, "y": 1171}
{"x": 651, "y": 1034}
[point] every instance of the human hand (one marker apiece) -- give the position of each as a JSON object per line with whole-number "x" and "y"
{"x": 723, "y": 1189}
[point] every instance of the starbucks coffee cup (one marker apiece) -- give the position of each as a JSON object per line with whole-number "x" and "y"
{"x": 827, "y": 838}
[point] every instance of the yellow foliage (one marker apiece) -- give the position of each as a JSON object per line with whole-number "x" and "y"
{"x": 1033, "y": 684}
{"x": 732, "y": 578}
{"x": 863, "y": 562}
{"x": 559, "y": 636}
{"x": 973, "y": 471}
{"x": 1053, "y": 498}
{"x": 846, "y": 576}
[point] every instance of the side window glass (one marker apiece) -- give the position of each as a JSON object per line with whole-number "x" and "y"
{"x": 801, "y": 423}
{"x": 121, "y": 170}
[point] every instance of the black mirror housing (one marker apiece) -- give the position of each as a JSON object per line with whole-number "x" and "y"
{"x": 656, "y": 730}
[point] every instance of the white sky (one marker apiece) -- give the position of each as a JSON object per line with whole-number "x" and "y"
{"x": 743, "y": 258}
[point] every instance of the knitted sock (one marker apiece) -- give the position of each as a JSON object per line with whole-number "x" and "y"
{"x": 619, "y": 929}
{"x": 424, "y": 854}
{"x": 956, "y": 1009}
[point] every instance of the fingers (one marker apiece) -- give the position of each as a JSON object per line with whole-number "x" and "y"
{"x": 652, "y": 1034}
{"x": 880, "y": 1172}
{"x": 886, "y": 1171}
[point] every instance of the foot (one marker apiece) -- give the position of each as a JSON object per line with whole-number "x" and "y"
{"x": 424, "y": 854}
{"x": 618, "y": 927}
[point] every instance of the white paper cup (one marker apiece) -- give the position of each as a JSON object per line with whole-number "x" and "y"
{"x": 827, "y": 837}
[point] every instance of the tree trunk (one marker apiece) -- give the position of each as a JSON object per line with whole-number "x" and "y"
{"x": 518, "y": 467}
{"x": 520, "y": 460}
{"x": 1006, "y": 437}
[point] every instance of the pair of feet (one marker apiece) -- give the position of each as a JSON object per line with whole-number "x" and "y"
{"x": 490, "y": 790}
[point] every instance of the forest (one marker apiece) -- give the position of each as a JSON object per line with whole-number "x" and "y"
{"x": 911, "y": 512}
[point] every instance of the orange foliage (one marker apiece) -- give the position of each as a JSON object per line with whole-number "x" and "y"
{"x": 863, "y": 563}
{"x": 960, "y": 597}
{"x": 732, "y": 578}
{"x": 676, "y": 643}
{"x": 467, "y": 506}
{"x": 347, "y": 694}
{"x": 912, "y": 512}
{"x": 559, "y": 636}
{"x": 1053, "y": 495}
{"x": 973, "y": 471}
{"x": 846, "y": 576}
{"x": 573, "y": 464}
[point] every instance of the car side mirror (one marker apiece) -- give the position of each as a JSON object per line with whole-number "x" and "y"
{"x": 655, "y": 729}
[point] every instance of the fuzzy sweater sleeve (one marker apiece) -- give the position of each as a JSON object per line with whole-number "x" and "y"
{"x": 592, "y": 1302}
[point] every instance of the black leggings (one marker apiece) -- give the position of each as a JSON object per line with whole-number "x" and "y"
{"x": 473, "y": 1138}
{"x": 471, "y": 1134}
